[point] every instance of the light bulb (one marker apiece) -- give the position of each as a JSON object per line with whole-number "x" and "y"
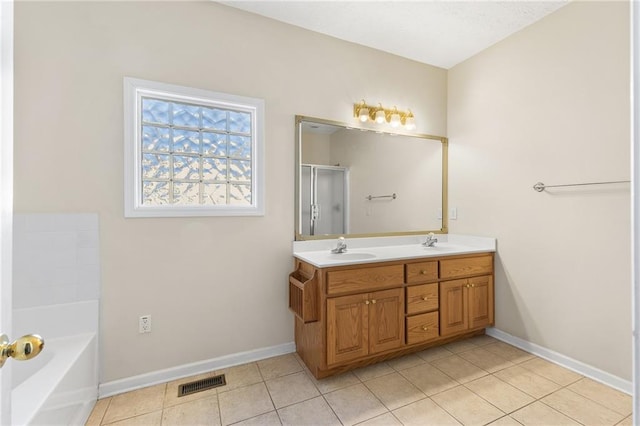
{"x": 364, "y": 114}
{"x": 380, "y": 116}
{"x": 395, "y": 119}
{"x": 410, "y": 122}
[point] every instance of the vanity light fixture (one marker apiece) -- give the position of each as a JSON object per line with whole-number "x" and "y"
{"x": 380, "y": 115}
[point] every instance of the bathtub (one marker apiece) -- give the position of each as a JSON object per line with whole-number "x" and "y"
{"x": 60, "y": 385}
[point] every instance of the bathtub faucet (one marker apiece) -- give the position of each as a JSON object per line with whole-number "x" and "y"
{"x": 22, "y": 349}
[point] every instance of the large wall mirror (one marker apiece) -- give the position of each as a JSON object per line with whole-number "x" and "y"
{"x": 357, "y": 182}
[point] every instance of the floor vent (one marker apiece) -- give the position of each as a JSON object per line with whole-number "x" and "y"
{"x": 201, "y": 385}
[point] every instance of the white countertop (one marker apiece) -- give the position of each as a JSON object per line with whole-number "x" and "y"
{"x": 382, "y": 249}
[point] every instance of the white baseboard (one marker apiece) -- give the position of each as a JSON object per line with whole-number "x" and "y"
{"x": 564, "y": 361}
{"x": 161, "y": 376}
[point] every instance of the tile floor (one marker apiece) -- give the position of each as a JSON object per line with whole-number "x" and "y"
{"x": 477, "y": 381}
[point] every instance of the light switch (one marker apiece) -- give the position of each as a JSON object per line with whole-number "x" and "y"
{"x": 453, "y": 213}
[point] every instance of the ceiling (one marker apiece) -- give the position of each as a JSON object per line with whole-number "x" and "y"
{"x": 442, "y": 33}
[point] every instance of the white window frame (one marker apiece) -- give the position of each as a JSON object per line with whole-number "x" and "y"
{"x": 134, "y": 90}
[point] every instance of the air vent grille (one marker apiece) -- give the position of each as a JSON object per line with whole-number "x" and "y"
{"x": 201, "y": 385}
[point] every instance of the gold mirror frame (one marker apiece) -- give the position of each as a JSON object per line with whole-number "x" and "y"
{"x": 298, "y": 152}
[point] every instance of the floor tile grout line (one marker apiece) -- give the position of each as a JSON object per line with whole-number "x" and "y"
{"x": 219, "y": 409}
{"x": 384, "y": 405}
{"x": 306, "y": 373}
{"x": 252, "y": 417}
{"x": 580, "y": 376}
{"x": 506, "y": 415}
{"x": 490, "y": 372}
{"x": 376, "y": 377}
{"x": 555, "y": 409}
{"x": 137, "y": 415}
{"x": 540, "y": 400}
{"x": 455, "y": 380}
{"x": 576, "y": 393}
{"x": 521, "y": 390}
{"x": 331, "y": 408}
{"x": 593, "y": 400}
{"x": 374, "y": 395}
{"x": 105, "y": 412}
{"x": 620, "y": 422}
{"x": 513, "y": 386}
{"x": 447, "y": 411}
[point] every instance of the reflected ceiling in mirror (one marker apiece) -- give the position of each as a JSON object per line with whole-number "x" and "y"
{"x": 360, "y": 182}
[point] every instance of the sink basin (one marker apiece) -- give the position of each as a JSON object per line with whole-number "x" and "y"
{"x": 351, "y": 256}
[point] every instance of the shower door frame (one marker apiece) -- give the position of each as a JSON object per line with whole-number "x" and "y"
{"x": 314, "y": 193}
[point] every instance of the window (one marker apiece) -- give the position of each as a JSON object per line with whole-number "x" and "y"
{"x": 192, "y": 152}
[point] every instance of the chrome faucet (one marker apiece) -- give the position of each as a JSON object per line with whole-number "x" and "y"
{"x": 341, "y": 247}
{"x": 431, "y": 240}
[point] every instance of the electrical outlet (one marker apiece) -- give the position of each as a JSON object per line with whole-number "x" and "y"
{"x": 144, "y": 324}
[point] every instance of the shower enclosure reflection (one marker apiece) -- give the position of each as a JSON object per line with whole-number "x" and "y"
{"x": 324, "y": 199}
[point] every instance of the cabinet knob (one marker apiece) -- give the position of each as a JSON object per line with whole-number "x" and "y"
{"x": 425, "y": 328}
{"x": 423, "y": 272}
{"x": 472, "y": 285}
{"x": 366, "y": 302}
{"x": 425, "y": 298}
{"x": 373, "y": 301}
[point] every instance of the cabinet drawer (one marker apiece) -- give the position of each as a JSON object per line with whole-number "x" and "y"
{"x": 364, "y": 279}
{"x": 422, "y": 328}
{"x": 421, "y": 272}
{"x": 422, "y": 298}
{"x": 453, "y": 268}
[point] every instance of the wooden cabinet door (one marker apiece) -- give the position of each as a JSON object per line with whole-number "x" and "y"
{"x": 453, "y": 307}
{"x": 386, "y": 320}
{"x": 480, "y": 301}
{"x": 347, "y": 328}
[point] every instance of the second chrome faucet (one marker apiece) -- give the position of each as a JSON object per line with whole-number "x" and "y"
{"x": 431, "y": 240}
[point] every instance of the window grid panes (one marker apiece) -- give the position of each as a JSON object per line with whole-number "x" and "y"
{"x": 195, "y": 154}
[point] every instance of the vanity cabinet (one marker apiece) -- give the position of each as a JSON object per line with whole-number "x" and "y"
{"x": 355, "y": 315}
{"x": 364, "y": 324}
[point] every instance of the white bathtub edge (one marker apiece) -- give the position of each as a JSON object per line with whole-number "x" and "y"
{"x": 30, "y": 400}
{"x": 564, "y": 361}
{"x": 161, "y": 376}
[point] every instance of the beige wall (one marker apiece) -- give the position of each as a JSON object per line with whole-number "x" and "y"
{"x": 551, "y": 104}
{"x": 316, "y": 149}
{"x": 214, "y": 286}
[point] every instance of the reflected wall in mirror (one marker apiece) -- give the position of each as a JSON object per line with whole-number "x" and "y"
{"x": 361, "y": 182}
